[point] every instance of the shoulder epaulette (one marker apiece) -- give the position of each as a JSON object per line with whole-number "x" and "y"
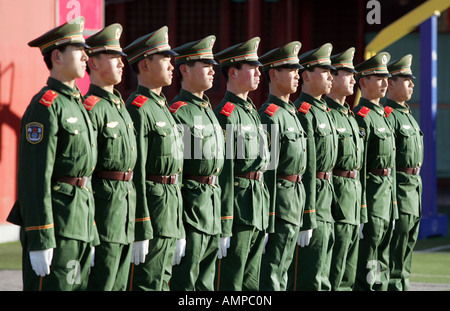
{"x": 175, "y": 106}
{"x": 271, "y": 109}
{"x": 48, "y": 98}
{"x": 90, "y": 102}
{"x": 363, "y": 112}
{"x": 388, "y": 110}
{"x": 304, "y": 107}
{"x": 139, "y": 101}
{"x": 227, "y": 109}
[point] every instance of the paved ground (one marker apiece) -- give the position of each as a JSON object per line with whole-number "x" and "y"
{"x": 11, "y": 280}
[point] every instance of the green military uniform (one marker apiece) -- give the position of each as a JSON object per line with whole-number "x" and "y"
{"x": 378, "y": 173}
{"x": 245, "y": 198}
{"x": 57, "y": 156}
{"x": 114, "y": 191}
{"x": 409, "y": 159}
{"x": 310, "y": 269}
{"x": 159, "y": 161}
{"x": 284, "y": 180}
{"x": 203, "y": 162}
{"x": 346, "y": 209}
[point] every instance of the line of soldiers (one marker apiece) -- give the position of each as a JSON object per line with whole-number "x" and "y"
{"x": 148, "y": 194}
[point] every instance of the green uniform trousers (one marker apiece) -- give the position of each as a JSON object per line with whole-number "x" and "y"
{"x": 111, "y": 267}
{"x": 197, "y": 268}
{"x": 69, "y": 268}
{"x": 345, "y": 257}
{"x": 373, "y": 255}
{"x": 278, "y": 256}
{"x": 154, "y": 274}
{"x": 240, "y": 269}
{"x": 310, "y": 268}
{"x": 404, "y": 239}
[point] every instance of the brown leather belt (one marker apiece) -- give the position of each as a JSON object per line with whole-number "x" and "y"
{"x": 381, "y": 171}
{"x": 252, "y": 175}
{"x": 172, "y": 179}
{"x": 323, "y": 175}
{"x": 114, "y": 175}
{"x": 410, "y": 170}
{"x": 349, "y": 174}
{"x": 74, "y": 181}
{"x": 209, "y": 180}
{"x": 291, "y": 178}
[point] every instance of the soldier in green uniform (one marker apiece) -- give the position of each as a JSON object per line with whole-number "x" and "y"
{"x": 57, "y": 156}
{"x": 204, "y": 154}
{"x": 346, "y": 208}
{"x": 159, "y": 161}
{"x": 245, "y": 197}
{"x": 288, "y": 153}
{"x": 114, "y": 192}
{"x": 409, "y": 158}
{"x": 310, "y": 268}
{"x": 377, "y": 174}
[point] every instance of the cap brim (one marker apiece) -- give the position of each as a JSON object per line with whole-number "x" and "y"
{"x": 168, "y": 53}
{"x": 82, "y": 44}
{"x": 208, "y": 61}
{"x": 253, "y": 63}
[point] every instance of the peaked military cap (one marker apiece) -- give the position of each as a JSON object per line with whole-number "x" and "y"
{"x": 285, "y": 56}
{"x": 319, "y": 57}
{"x": 70, "y": 32}
{"x": 245, "y": 52}
{"x": 200, "y": 50}
{"x": 106, "y": 41}
{"x": 344, "y": 60}
{"x": 376, "y": 65}
{"x": 402, "y": 67}
{"x": 155, "y": 42}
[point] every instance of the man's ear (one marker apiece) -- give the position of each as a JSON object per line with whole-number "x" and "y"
{"x": 56, "y": 56}
{"x": 273, "y": 74}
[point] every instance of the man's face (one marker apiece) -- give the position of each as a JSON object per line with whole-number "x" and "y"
{"x": 286, "y": 79}
{"x": 319, "y": 80}
{"x": 73, "y": 61}
{"x": 160, "y": 69}
{"x": 343, "y": 83}
{"x": 108, "y": 67}
{"x": 373, "y": 87}
{"x": 401, "y": 89}
{"x": 248, "y": 77}
{"x": 200, "y": 76}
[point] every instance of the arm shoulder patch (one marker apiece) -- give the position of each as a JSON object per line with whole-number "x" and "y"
{"x": 388, "y": 110}
{"x": 48, "y": 98}
{"x": 227, "y": 109}
{"x": 90, "y": 102}
{"x": 271, "y": 109}
{"x": 139, "y": 101}
{"x": 175, "y": 106}
{"x": 363, "y": 112}
{"x": 304, "y": 107}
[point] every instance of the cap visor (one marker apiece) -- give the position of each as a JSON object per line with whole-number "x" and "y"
{"x": 209, "y": 61}
{"x": 168, "y": 53}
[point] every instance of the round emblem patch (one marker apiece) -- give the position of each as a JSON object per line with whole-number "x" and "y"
{"x": 34, "y": 132}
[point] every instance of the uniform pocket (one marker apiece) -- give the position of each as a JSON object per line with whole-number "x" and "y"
{"x": 73, "y": 137}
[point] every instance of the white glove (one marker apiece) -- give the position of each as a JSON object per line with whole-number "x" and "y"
{"x": 393, "y": 225}
{"x": 304, "y": 237}
{"x": 138, "y": 252}
{"x": 223, "y": 245}
{"x": 266, "y": 238}
{"x": 361, "y": 235}
{"x": 92, "y": 256}
{"x": 41, "y": 261}
{"x": 180, "y": 251}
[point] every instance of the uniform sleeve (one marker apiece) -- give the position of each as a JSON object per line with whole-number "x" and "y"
{"x": 309, "y": 177}
{"x": 143, "y": 226}
{"x": 226, "y": 178}
{"x": 36, "y": 162}
{"x": 364, "y": 130}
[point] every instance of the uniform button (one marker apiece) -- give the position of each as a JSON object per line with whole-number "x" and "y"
{"x": 217, "y": 170}
{"x": 115, "y": 135}
{"x": 132, "y": 148}
{"x": 56, "y": 187}
{"x": 236, "y": 183}
{"x": 118, "y": 106}
{"x": 129, "y": 125}
{"x": 93, "y": 145}
{"x": 76, "y": 132}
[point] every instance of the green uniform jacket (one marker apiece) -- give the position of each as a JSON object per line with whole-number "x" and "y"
{"x": 57, "y": 139}
{"x": 244, "y": 201}
{"x": 379, "y": 153}
{"x": 348, "y": 191}
{"x": 287, "y": 146}
{"x": 321, "y": 157}
{"x": 409, "y": 153}
{"x": 160, "y": 152}
{"x": 204, "y": 153}
{"x": 115, "y": 201}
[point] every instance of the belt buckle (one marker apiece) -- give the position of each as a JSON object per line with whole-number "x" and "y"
{"x": 212, "y": 180}
{"x": 388, "y": 171}
{"x": 327, "y": 175}
{"x": 128, "y": 173}
{"x": 84, "y": 181}
{"x": 416, "y": 170}
{"x": 299, "y": 178}
{"x": 356, "y": 174}
{"x": 259, "y": 176}
{"x": 175, "y": 178}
